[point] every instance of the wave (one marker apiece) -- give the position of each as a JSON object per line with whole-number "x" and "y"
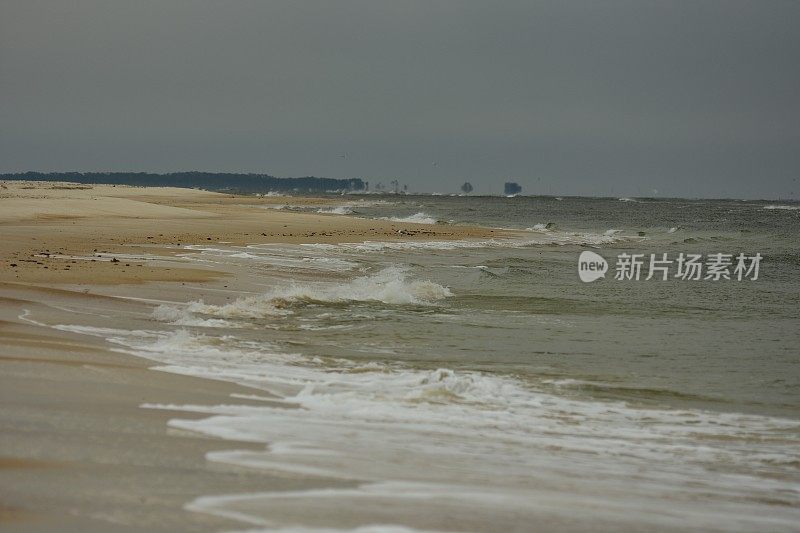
{"x": 542, "y": 227}
{"x": 374, "y": 203}
{"x": 187, "y": 316}
{"x": 626, "y": 199}
{"x": 439, "y": 421}
{"x": 463, "y": 441}
{"x": 390, "y": 286}
{"x": 278, "y": 256}
{"x": 416, "y": 218}
{"x": 783, "y": 207}
{"x": 543, "y": 238}
{"x": 600, "y": 389}
{"x": 340, "y": 210}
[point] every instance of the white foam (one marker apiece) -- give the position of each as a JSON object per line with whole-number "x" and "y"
{"x": 475, "y": 442}
{"x": 340, "y": 210}
{"x": 542, "y": 227}
{"x": 180, "y": 315}
{"x": 280, "y": 257}
{"x": 783, "y": 207}
{"x": 361, "y": 202}
{"x": 245, "y": 307}
{"x": 416, "y": 218}
{"x": 536, "y": 238}
{"x": 440, "y": 421}
{"x": 390, "y": 286}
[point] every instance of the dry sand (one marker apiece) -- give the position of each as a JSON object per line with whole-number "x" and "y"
{"x": 44, "y": 224}
{"x": 77, "y": 452}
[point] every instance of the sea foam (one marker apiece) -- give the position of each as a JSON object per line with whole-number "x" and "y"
{"x": 390, "y": 286}
{"x": 531, "y": 237}
{"x": 416, "y": 218}
{"x": 783, "y": 207}
{"x": 426, "y": 428}
{"x": 340, "y": 210}
{"x": 469, "y": 441}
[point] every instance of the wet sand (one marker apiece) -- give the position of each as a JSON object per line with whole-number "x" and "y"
{"x": 46, "y": 225}
{"x": 77, "y": 452}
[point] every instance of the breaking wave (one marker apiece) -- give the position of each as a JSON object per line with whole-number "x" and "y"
{"x": 440, "y": 420}
{"x": 340, "y": 210}
{"x": 186, "y": 316}
{"x": 536, "y": 237}
{"x": 783, "y": 207}
{"x": 390, "y": 286}
{"x": 416, "y": 218}
{"x": 542, "y": 227}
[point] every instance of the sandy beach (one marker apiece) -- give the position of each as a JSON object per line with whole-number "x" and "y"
{"x": 45, "y": 224}
{"x": 181, "y": 360}
{"x": 77, "y": 452}
{"x": 395, "y": 267}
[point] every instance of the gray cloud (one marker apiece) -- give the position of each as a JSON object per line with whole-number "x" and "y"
{"x": 690, "y": 98}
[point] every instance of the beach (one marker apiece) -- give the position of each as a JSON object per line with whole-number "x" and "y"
{"x": 77, "y": 453}
{"x": 43, "y": 222}
{"x": 394, "y": 267}
{"x": 175, "y": 359}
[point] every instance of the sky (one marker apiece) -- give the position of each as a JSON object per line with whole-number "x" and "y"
{"x": 693, "y": 98}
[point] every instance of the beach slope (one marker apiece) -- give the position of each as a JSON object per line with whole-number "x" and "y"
{"x": 77, "y": 452}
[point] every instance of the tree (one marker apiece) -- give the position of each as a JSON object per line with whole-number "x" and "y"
{"x": 466, "y": 188}
{"x": 214, "y": 181}
{"x": 512, "y": 188}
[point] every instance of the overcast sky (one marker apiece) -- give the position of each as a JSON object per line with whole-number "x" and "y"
{"x": 689, "y": 98}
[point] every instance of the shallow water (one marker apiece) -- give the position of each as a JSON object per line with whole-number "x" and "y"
{"x": 481, "y": 385}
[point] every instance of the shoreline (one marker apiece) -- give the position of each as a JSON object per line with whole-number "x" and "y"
{"x": 92, "y": 439}
{"x": 78, "y": 451}
{"x": 48, "y": 228}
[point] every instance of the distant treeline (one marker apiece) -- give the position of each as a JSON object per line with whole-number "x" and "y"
{"x": 214, "y": 181}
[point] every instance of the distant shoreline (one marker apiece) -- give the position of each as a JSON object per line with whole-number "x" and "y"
{"x": 213, "y": 181}
{"x": 254, "y": 183}
{"x": 44, "y": 226}
{"x": 72, "y": 424}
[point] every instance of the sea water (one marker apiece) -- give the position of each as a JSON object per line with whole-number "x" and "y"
{"x": 480, "y": 385}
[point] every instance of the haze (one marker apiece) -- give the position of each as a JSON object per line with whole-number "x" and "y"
{"x": 619, "y": 98}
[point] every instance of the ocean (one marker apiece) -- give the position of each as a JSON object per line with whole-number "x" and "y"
{"x": 480, "y": 385}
